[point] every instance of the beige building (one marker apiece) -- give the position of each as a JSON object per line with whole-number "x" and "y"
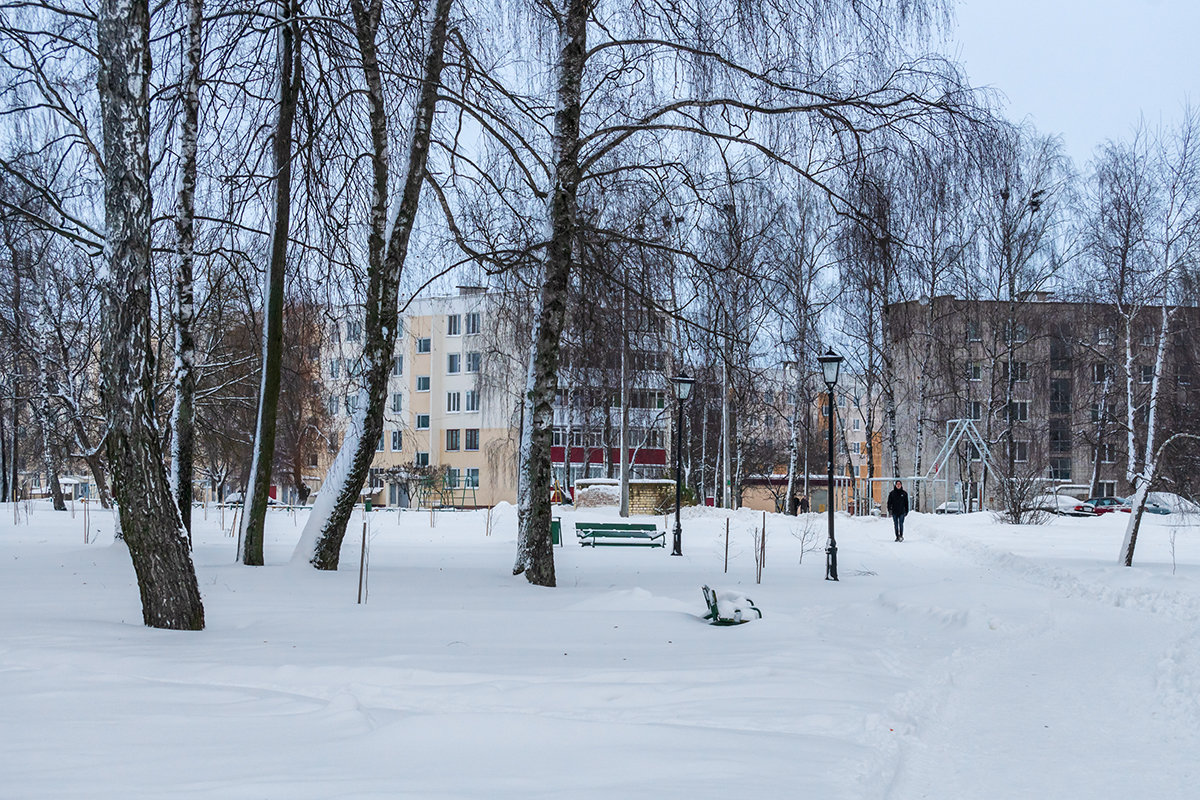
{"x": 448, "y": 437}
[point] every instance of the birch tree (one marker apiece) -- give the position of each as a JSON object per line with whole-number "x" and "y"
{"x": 388, "y": 246}
{"x": 257, "y": 495}
{"x": 149, "y": 517}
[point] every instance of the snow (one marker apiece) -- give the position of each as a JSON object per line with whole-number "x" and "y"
{"x": 973, "y": 660}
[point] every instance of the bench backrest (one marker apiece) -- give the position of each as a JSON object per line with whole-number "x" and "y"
{"x": 616, "y": 526}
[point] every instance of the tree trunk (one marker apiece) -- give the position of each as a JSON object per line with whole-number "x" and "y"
{"x": 259, "y": 485}
{"x": 535, "y": 553}
{"x": 148, "y": 516}
{"x": 183, "y": 413}
{"x": 321, "y": 540}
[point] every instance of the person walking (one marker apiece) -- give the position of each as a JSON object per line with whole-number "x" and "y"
{"x": 804, "y": 504}
{"x": 897, "y": 508}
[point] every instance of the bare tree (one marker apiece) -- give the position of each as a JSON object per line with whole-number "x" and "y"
{"x": 149, "y": 517}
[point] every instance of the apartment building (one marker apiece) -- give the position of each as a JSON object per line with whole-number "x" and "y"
{"x": 1045, "y": 383}
{"x": 448, "y": 435}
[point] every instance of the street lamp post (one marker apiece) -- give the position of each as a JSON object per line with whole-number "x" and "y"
{"x": 683, "y": 390}
{"x": 830, "y": 365}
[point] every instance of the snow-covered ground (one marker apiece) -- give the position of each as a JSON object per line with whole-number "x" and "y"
{"x": 973, "y": 660}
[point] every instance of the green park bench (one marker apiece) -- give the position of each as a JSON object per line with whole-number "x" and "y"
{"x": 738, "y": 616}
{"x": 595, "y": 534}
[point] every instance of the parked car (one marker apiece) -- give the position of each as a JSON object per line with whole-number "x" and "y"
{"x": 1096, "y": 506}
{"x": 1054, "y": 503}
{"x": 1151, "y": 507}
{"x": 949, "y": 507}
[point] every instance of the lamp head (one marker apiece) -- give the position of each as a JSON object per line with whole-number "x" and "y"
{"x": 683, "y": 385}
{"x": 831, "y": 364}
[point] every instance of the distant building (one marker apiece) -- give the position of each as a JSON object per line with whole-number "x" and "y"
{"x": 1044, "y": 381}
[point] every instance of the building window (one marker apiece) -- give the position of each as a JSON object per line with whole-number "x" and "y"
{"x": 973, "y": 332}
{"x": 825, "y": 409}
{"x": 1020, "y": 370}
{"x": 1104, "y": 337}
{"x": 974, "y": 410}
{"x": 474, "y": 361}
{"x": 1018, "y": 411}
{"x": 398, "y": 365}
{"x": 974, "y": 371}
{"x": 397, "y": 402}
{"x": 1146, "y": 373}
{"x": 1103, "y": 413}
{"x": 353, "y": 331}
{"x": 857, "y": 424}
{"x": 472, "y": 442}
{"x": 1060, "y": 396}
{"x": 335, "y": 368}
{"x": 973, "y": 452}
{"x": 1060, "y": 354}
{"x": 334, "y": 405}
{"x": 422, "y": 383}
{"x": 1108, "y": 488}
{"x": 422, "y": 422}
{"x": 472, "y": 477}
{"x": 472, "y": 323}
{"x": 452, "y": 477}
{"x": 1108, "y": 454}
{"x": 452, "y": 439}
{"x": 1148, "y": 335}
{"x": 1020, "y": 451}
{"x": 453, "y": 363}
{"x": 560, "y": 436}
{"x": 856, "y": 447}
{"x": 351, "y": 403}
{"x": 421, "y": 459}
{"x": 397, "y": 441}
{"x": 424, "y": 345}
{"x": 1060, "y": 469}
{"x": 472, "y": 400}
{"x": 453, "y": 400}
{"x": 1060, "y": 436}
{"x": 1020, "y": 332}
{"x": 1184, "y": 376}
{"x": 1099, "y": 372}
{"x": 312, "y": 459}
{"x": 453, "y": 325}
{"x": 379, "y": 444}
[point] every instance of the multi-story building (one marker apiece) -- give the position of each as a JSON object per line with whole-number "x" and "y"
{"x": 453, "y": 415}
{"x": 1043, "y": 381}
{"x": 447, "y": 429}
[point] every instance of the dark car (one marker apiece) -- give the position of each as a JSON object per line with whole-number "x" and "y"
{"x": 1096, "y": 506}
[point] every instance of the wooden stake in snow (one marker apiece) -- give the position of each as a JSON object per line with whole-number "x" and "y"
{"x": 362, "y": 561}
{"x": 727, "y": 544}
{"x": 86, "y": 521}
{"x": 487, "y": 530}
{"x": 763, "y": 559}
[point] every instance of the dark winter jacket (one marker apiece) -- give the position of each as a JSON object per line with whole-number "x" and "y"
{"x": 897, "y": 504}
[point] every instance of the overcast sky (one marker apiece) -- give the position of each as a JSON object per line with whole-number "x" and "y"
{"x": 1084, "y": 68}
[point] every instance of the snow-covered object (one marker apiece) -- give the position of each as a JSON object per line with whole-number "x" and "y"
{"x": 1177, "y": 503}
{"x": 598, "y": 495}
{"x": 735, "y": 606}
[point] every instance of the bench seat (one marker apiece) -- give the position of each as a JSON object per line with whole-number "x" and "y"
{"x": 619, "y": 534}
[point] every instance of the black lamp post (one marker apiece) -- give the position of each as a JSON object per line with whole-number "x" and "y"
{"x": 830, "y": 363}
{"x": 683, "y": 390}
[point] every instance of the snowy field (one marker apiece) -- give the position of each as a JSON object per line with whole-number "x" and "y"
{"x": 972, "y": 660}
